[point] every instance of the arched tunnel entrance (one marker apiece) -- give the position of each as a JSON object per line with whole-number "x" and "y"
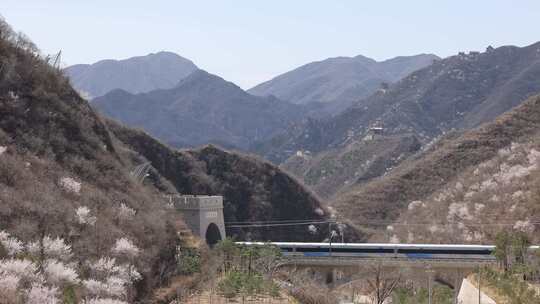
{"x": 213, "y": 236}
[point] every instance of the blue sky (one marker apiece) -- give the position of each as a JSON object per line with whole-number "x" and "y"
{"x": 251, "y": 41}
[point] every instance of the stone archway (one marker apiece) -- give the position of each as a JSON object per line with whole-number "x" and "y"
{"x": 203, "y": 215}
{"x": 212, "y": 236}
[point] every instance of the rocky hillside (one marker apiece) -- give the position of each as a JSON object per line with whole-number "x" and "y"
{"x": 66, "y": 191}
{"x": 74, "y": 221}
{"x": 464, "y": 188}
{"x": 338, "y": 82}
{"x": 162, "y": 70}
{"x": 201, "y": 109}
{"x": 458, "y": 92}
{"x": 332, "y": 171}
{"x": 253, "y": 190}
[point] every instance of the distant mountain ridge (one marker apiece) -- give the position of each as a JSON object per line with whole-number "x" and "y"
{"x": 201, "y": 109}
{"x": 340, "y": 80}
{"x": 160, "y": 70}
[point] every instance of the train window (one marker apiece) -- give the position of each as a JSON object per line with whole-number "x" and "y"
{"x": 347, "y": 250}
{"x": 318, "y": 249}
{"x": 364, "y": 250}
{"x": 288, "y": 249}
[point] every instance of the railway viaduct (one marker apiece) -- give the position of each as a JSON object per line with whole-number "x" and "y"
{"x": 345, "y": 273}
{"x": 343, "y": 267}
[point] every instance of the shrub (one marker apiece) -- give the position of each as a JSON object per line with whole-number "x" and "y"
{"x": 8, "y": 289}
{"x": 51, "y": 247}
{"x": 3, "y": 251}
{"x": 10, "y": 173}
{"x": 60, "y": 274}
{"x": 189, "y": 261}
{"x": 40, "y": 294}
{"x": 10, "y": 245}
{"x": 69, "y": 295}
{"x": 125, "y": 248}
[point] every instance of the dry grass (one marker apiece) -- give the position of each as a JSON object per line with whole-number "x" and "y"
{"x": 490, "y": 292}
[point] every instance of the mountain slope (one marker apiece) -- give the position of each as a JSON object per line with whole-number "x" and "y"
{"x": 66, "y": 189}
{"x": 161, "y": 70}
{"x": 340, "y": 80}
{"x": 253, "y": 190}
{"x": 332, "y": 171}
{"x": 61, "y": 172}
{"x": 47, "y": 127}
{"x": 202, "y": 108}
{"x": 485, "y": 176}
{"x": 459, "y": 92}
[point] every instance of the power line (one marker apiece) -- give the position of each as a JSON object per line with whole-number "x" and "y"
{"x": 278, "y": 224}
{"x": 279, "y": 221}
{"x": 252, "y": 224}
{"x": 444, "y": 223}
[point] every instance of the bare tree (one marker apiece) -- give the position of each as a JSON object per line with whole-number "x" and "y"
{"x": 307, "y": 287}
{"x": 380, "y": 283}
{"x": 268, "y": 260}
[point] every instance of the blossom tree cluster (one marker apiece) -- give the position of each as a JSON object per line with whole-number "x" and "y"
{"x": 44, "y": 270}
{"x": 70, "y": 185}
{"x": 499, "y": 190}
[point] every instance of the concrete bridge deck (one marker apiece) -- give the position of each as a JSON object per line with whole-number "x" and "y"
{"x": 336, "y": 261}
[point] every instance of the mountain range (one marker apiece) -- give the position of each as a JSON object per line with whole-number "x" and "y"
{"x": 338, "y": 82}
{"x": 458, "y": 92}
{"x": 170, "y": 98}
{"x": 200, "y": 109}
{"x": 161, "y": 70}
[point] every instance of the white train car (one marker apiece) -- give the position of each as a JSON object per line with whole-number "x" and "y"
{"x": 375, "y": 250}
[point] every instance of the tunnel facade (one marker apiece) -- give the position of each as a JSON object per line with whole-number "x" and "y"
{"x": 203, "y": 215}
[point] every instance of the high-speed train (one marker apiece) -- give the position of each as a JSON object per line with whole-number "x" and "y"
{"x": 373, "y": 250}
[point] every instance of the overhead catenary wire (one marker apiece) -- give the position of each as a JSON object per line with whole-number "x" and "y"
{"x": 277, "y": 223}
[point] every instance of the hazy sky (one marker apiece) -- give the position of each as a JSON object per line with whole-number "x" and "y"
{"x": 251, "y": 41}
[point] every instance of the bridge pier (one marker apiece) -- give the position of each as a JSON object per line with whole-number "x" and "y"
{"x": 458, "y": 278}
{"x": 330, "y": 277}
{"x": 430, "y": 274}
